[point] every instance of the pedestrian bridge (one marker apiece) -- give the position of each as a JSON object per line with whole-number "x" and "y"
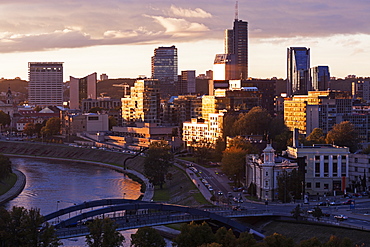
{"x": 131, "y": 214}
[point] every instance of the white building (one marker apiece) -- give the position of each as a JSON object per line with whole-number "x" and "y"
{"x": 263, "y": 172}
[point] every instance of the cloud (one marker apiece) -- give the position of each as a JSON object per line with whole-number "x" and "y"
{"x": 196, "y": 13}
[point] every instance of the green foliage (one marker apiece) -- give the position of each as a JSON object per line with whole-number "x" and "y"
{"x": 233, "y": 162}
{"x": 5, "y": 166}
{"x": 240, "y": 142}
{"x": 147, "y": 237}
{"x": 296, "y": 212}
{"x": 29, "y": 129}
{"x": 256, "y": 122}
{"x": 220, "y": 146}
{"x": 317, "y": 213}
{"x": 96, "y": 109}
{"x": 21, "y": 227}
{"x": 158, "y": 160}
{"x": 112, "y": 122}
{"x": 225, "y": 237}
{"x": 37, "y": 108}
{"x": 335, "y": 241}
{"x": 312, "y": 242}
{"x": 4, "y": 119}
{"x": 194, "y": 235}
{"x": 103, "y": 233}
{"x": 245, "y": 239}
{"x": 278, "y": 240}
{"x": 289, "y": 186}
{"x": 317, "y": 136}
{"x": 52, "y": 127}
{"x": 343, "y": 134}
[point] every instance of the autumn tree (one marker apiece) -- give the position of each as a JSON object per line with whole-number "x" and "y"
{"x": 112, "y": 122}
{"x": 147, "y": 237}
{"x": 103, "y": 232}
{"x": 96, "y": 109}
{"x": 278, "y": 240}
{"x": 29, "y": 129}
{"x": 317, "y": 136}
{"x": 312, "y": 242}
{"x": 5, "y": 166}
{"x": 233, "y": 163}
{"x": 52, "y": 127}
{"x": 225, "y": 237}
{"x": 296, "y": 212}
{"x": 343, "y": 134}
{"x": 335, "y": 241}
{"x": 157, "y": 161}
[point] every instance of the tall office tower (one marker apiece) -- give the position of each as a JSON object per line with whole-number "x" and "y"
{"x": 80, "y": 89}
{"x": 320, "y": 77}
{"x": 45, "y": 86}
{"x": 187, "y": 82}
{"x": 236, "y": 42}
{"x": 298, "y": 59}
{"x": 224, "y": 67}
{"x": 164, "y": 64}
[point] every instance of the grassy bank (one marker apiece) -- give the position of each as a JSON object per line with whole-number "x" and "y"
{"x": 307, "y": 231}
{"x": 7, "y": 183}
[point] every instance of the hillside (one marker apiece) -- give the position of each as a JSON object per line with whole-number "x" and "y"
{"x": 16, "y": 85}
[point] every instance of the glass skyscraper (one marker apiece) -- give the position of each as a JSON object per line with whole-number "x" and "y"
{"x": 320, "y": 77}
{"x": 298, "y": 59}
{"x": 164, "y": 64}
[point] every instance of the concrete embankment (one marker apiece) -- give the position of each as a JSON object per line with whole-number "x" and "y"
{"x": 16, "y": 189}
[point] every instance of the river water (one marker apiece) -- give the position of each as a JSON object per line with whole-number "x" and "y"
{"x": 53, "y": 185}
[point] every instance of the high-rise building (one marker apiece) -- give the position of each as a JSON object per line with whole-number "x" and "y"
{"x": 298, "y": 59}
{"x": 224, "y": 67}
{"x": 320, "y": 77}
{"x": 45, "y": 86}
{"x": 80, "y": 89}
{"x": 236, "y": 42}
{"x": 164, "y": 64}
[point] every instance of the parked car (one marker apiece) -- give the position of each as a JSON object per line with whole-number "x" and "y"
{"x": 340, "y": 217}
{"x": 349, "y": 202}
{"x": 322, "y": 204}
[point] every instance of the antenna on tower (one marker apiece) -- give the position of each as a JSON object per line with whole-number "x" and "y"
{"x": 236, "y": 11}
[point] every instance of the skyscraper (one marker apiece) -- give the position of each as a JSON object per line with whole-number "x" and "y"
{"x": 320, "y": 78}
{"x": 298, "y": 65}
{"x": 236, "y": 42}
{"x": 45, "y": 86}
{"x": 164, "y": 64}
{"x": 84, "y": 88}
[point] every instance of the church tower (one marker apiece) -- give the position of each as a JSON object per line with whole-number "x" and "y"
{"x": 267, "y": 186}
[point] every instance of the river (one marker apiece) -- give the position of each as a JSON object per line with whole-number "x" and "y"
{"x": 53, "y": 185}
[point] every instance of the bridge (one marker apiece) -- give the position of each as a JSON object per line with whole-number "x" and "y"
{"x": 131, "y": 214}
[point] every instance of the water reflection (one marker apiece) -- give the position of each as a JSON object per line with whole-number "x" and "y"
{"x": 53, "y": 185}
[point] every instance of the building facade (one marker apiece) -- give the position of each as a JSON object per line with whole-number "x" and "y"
{"x": 164, "y": 64}
{"x": 45, "y": 86}
{"x": 320, "y": 78}
{"x": 80, "y": 89}
{"x": 326, "y": 167}
{"x": 298, "y": 65}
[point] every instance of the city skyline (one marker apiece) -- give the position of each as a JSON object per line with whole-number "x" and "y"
{"x": 118, "y": 38}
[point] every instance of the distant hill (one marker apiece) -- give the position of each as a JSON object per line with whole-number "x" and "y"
{"x": 106, "y": 87}
{"x": 16, "y": 85}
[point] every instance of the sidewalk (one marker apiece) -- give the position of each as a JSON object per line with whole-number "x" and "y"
{"x": 16, "y": 189}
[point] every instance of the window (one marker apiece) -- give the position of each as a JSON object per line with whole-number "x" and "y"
{"x": 326, "y": 186}
{"x": 309, "y": 185}
{"x": 267, "y": 173}
{"x": 356, "y": 160}
{"x": 356, "y": 169}
{"x": 317, "y": 185}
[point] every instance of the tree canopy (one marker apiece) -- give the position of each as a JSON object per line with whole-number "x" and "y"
{"x": 52, "y": 127}
{"x": 5, "y": 166}
{"x": 4, "y": 119}
{"x": 317, "y": 136}
{"x": 159, "y": 158}
{"x": 103, "y": 233}
{"x": 256, "y": 122}
{"x": 343, "y": 134}
{"x": 147, "y": 237}
{"x": 233, "y": 163}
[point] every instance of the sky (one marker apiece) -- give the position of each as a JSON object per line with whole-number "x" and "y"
{"x": 118, "y": 37}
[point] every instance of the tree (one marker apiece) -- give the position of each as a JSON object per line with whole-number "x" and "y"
{"x": 52, "y": 127}
{"x": 5, "y": 166}
{"x": 159, "y": 158}
{"x": 147, "y": 237}
{"x": 335, "y": 241}
{"x": 112, "y": 122}
{"x": 317, "y": 213}
{"x": 278, "y": 240}
{"x": 245, "y": 239}
{"x": 103, "y": 233}
{"x": 96, "y": 109}
{"x": 22, "y": 227}
{"x": 289, "y": 186}
{"x": 317, "y": 136}
{"x": 343, "y": 134}
{"x": 4, "y": 119}
{"x": 194, "y": 235}
{"x": 220, "y": 146}
{"x": 225, "y": 237}
{"x": 242, "y": 143}
{"x": 37, "y": 108}
{"x": 256, "y": 122}
{"x": 233, "y": 163}
{"x": 296, "y": 212}
{"x": 312, "y": 242}
{"x": 29, "y": 129}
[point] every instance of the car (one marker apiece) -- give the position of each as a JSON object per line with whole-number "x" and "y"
{"x": 326, "y": 214}
{"x": 340, "y": 217}
{"x": 220, "y": 193}
{"x": 349, "y": 202}
{"x": 322, "y": 204}
{"x": 229, "y": 194}
{"x": 310, "y": 211}
{"x": 334, "y": 203}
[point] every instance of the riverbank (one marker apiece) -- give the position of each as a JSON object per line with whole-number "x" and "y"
{"x": 16, "y": 189}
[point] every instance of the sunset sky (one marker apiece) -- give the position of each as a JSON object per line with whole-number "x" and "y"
{"x": 117, "y": 37}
